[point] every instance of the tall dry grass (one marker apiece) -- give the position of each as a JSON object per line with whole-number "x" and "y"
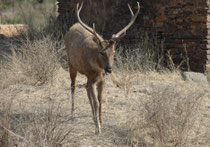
{"x": 146, "y": 55}
{"x": 32, "y": 58}
{"x": 167, "y": 110}
{"x": 26, "y": 12}
{"x": 7, "y": 97}
{"x": 48, "y": 126}
{"x": 167, "y": 116}
{"x": 36, "y": 61}
{"x": 28, "y": 120}
{"x": 42, "y": 125}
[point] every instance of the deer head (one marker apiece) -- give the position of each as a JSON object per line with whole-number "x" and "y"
{"x": 106, "y": 48}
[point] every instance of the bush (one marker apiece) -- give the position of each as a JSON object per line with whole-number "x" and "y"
{"x": 36, "y": 60}
{"x": 34, "y": 124}
{"x": 26, "y": 12}
{"x": 144, "y": 56}
{"x": 46, "y": 127}
{"x": 167, "y": 116}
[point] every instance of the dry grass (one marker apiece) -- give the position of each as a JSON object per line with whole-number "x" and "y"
{"x": 149, "y": 109}
{"x": 46, "y": 127}
{"x": 6, "y": 106}
{"x": 167, "y": 116}
{"x": 142, "y": 107}
{"x": 208, "y": 73}
{"x": 36, "y": 61}
{"x": 27, "y": 12}
{"x": 147, "y": 55}
{"x": 31, "y": 120}
{"x": 164, "y": 110}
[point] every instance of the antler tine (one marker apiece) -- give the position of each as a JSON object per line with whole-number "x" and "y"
{"x": 80, "y": 8}
{"x": 94, "y": 29}
{"x": 130, "y": 10}
{"x": 120, "y": 34}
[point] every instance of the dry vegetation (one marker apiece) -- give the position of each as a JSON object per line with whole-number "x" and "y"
{"x": 26, "y": 12}
{"x": 37, "y": 60}
{"x": 142, "y": 107}
{"x": 168, "y": 116}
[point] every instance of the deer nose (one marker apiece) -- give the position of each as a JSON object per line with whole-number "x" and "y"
{"x": 108, "y": 70}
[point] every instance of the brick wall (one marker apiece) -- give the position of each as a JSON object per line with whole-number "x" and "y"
{"x": 182, "y": 24}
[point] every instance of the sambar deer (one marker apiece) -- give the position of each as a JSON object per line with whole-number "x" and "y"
{"x": 89, "y": 54}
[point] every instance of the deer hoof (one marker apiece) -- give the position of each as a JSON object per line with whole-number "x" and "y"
{"x": 98, "y": 131}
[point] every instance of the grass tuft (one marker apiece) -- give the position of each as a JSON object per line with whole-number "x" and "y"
{"x": 36, "y": 60}
{"x": 167, "y": 116}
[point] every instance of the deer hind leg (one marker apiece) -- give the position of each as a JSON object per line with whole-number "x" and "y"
{"x": 100, "y": 87}
{"x": 73, "y": 75}
{"x": 94, "y": 104}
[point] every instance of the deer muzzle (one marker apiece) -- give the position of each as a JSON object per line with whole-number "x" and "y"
{"x": 108, "y": 70}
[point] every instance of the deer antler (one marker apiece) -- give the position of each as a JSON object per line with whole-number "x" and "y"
{"x": 122, "y": 33}
{"x": 91, "y": 30}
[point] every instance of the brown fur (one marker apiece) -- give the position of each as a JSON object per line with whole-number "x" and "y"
{"x": 89, "y": 54}
{"x": 83, "y": 51}
{"x": 85, "y": 56}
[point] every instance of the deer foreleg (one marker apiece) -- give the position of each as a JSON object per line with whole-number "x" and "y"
{"x": 91, "y": 102}
{"x": 95, "y": 106}
{"x": 73, "y": 74}
{"x": 100, "y": 94}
